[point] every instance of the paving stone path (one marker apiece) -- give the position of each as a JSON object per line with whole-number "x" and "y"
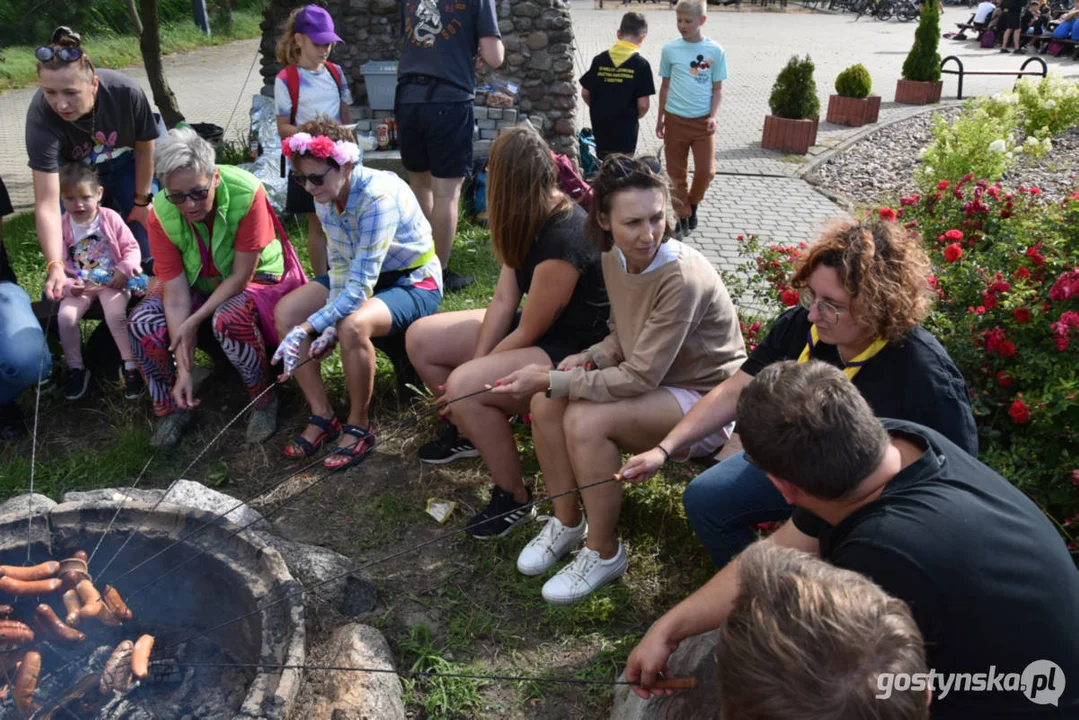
{"x": 757, "y": 190}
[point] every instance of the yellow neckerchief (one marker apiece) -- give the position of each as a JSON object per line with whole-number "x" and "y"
{"x": 622, "y": 51}
{"x": 850, "y": 369}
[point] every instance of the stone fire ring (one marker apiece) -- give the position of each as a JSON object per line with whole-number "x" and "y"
{"x": 230, "y": 579}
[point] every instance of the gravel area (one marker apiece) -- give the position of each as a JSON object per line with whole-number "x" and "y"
{"x": 881, "y": 166}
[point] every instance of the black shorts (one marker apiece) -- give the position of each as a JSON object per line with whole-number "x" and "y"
{"x": 297, "y": 200}
{"x": 436, "y": 137}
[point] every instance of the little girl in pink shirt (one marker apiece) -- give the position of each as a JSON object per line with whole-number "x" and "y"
{"x": 95, "y": 239}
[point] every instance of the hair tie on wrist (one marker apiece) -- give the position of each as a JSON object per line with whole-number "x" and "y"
{"x": 666, "y": 455}
{"x": 49, "y": 264}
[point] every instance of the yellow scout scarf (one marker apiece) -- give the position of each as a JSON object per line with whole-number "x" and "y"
{"x": 849, "y": 369}
{"x": 622, "y": 51}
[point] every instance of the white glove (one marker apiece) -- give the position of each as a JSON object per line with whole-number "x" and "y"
{"x": 324, "y": 343}
{"x": 289, "y": 350}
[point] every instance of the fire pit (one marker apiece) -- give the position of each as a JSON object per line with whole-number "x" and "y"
{"x": 230, "y": 579}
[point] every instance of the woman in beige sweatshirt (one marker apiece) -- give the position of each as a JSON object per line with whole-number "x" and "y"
{"x": 673, "y": 335}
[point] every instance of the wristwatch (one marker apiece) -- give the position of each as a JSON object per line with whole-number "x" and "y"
{"x": 142, "y": 200}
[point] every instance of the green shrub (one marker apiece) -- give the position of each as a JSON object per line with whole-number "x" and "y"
{"x": 978, "y": 141}
{"x": 854, "y": 82}
{"x": 1046, "y": 107}
{"x": 794, "y": 95}
{"x": 923, "y": 62}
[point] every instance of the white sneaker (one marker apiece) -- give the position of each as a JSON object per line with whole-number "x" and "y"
{"x": 587, "y": 572}
{"x": 550, "y": 546}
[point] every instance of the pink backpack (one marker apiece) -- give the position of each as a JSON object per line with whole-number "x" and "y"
{"x": 571, "y": 183}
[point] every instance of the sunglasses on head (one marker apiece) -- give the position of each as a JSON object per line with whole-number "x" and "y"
{"x": 623, "y": 165}
{"x": 313, "y": 178}
{"x": 198, "y": 195}
{"x": 46, "y": 53}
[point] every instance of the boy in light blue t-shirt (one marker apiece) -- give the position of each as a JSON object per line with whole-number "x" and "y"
{"x": 693, "y": 69}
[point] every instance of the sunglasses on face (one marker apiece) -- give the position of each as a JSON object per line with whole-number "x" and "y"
{"x": 198, "y": 195}
{"x": 623, "y": 165}
{"x": 313, "y": 178}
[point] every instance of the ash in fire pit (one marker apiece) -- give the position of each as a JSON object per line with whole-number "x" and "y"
{"x": 229, "y": 579}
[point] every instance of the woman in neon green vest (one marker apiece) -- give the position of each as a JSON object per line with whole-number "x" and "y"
{"x": 221, "y": 255}
{"x": 863, "y": 291}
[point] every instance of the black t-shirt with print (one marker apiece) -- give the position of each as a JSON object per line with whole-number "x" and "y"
{"x": 613, "y": 108}
{"x": 583, "y": 322}
{"x": 913, "y": 380}
{"x": 122, "y": 116}
{"x": 987, "y": 577}
{"x": 441, "y": 40}
{"x": 6, "y": 273}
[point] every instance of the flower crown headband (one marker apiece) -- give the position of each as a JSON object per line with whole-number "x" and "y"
{"x": 322, "y": 147}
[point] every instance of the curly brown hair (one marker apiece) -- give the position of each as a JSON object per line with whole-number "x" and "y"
{"x": 322, "y": 125}
{"x": 881, "y": 265}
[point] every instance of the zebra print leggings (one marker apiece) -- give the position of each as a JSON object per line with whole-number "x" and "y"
{"x": 236, "y": 327}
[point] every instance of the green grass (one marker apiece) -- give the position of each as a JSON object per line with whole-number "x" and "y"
{"x": 19, "y": 68}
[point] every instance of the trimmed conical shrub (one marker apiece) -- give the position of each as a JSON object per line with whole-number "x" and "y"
{"x": 923, "y": 62}
{"x": 794, "y": 95}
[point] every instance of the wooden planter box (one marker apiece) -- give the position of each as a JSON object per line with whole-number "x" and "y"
{"x": 853, "y": 112}
{"x": 913, "y": 92}
{"x": 791, "y": 136}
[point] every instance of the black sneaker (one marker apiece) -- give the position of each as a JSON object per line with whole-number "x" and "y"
{"x": 500, "y": 516}
{"x": 76, "y": 382}
{"x": 453, "y": 282}
{"x": 693, "y": 218}
{"x": 683, "y": 224}
{"x": 133, "y": 384}
{"x": 451, "y": 446}
{"x": 1019, "y": 51}
{"x": 12, "y": 426}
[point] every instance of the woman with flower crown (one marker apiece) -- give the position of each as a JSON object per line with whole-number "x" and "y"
{"x": 221, "y": 256}
{"x": 384, "y": 275}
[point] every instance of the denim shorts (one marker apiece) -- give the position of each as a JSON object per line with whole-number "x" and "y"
{"x": 407, "y": 304}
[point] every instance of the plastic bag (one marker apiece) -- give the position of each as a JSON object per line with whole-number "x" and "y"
{"x": 501, "y": 93}
{"x": 267, "y": 166}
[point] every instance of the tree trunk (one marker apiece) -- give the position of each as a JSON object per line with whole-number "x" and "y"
{"x": 150, "y": 45}
{"x": 133, "y": 13}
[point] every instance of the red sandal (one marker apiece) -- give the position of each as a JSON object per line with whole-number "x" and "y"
{"x": 301, "y": 448}
{"x": 344, "y": 456}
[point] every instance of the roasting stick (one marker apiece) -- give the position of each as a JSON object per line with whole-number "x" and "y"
{"x": 33, "y": 442}
{"x": 120, "y": 507}
{"x": 398, "y": 425}
{"x": 673, "y": 683}
{"x": 392, "y": 556}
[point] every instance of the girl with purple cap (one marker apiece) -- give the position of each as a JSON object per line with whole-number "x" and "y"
{"x": 310, "y": 87}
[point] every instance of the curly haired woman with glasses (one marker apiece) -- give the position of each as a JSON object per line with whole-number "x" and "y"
{"x": 864, "y": 292}
{"x": 673, "y": 336}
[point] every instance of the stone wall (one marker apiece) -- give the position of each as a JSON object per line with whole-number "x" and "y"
{"x": 538, "y": 36}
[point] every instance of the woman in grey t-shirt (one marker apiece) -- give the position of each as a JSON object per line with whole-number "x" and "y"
{"x": 99, "y": 117}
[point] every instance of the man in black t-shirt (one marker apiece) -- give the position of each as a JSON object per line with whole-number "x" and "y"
{"x": 436, "y": 79}
{"x": 616, "y": 89}
{"x": 987, "y": 578}
{"x": 22, "y": 348}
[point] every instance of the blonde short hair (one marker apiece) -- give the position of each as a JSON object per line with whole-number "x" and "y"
{"x": 690, "y": 7}
{"x": 807, "y": 640}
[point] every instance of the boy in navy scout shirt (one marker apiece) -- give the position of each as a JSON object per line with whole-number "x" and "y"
{"x": 617, "y": 87}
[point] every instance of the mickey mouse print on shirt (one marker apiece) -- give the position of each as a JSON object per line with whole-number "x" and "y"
{"x": 699, "y": 69}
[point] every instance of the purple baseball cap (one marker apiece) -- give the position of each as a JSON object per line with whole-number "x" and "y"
{"x": 316, "y": 23}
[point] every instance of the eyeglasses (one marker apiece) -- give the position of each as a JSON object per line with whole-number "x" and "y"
{"x": 198, "y": 195}
{"x": 314, "y": 179}
{"x": 622, "y": 166}
{"x": 828, "y": 312}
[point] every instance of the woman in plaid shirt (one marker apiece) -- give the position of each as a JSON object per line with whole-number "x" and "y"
{"x": 383, "y": 276}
